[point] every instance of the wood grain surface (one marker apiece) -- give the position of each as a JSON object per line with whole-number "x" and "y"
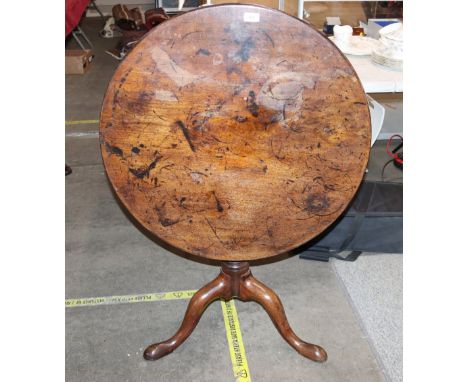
{"x": 235, "y": 139}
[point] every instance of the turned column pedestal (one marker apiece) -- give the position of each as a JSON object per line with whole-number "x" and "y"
{"x": 235, "y": 281}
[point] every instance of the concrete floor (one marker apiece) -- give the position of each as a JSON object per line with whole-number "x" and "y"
{"x": 106, "y": 255}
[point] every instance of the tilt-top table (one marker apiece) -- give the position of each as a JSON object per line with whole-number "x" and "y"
{"x": 235, "y": 133}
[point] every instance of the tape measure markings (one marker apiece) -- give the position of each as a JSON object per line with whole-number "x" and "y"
{"x": 127, "y": 299}
{"x": 240, "y": 366}
{"x": 82, "y": 122}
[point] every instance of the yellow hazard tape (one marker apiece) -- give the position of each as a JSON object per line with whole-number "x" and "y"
{"x": 236, "y": 345}
{"x": 111, "y": 300}
{"x": 83, "y": 122}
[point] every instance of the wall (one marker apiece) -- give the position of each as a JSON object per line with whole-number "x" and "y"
{"x": 349, "y": 12}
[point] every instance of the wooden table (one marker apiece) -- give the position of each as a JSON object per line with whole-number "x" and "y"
{"x": 235, "y": 133}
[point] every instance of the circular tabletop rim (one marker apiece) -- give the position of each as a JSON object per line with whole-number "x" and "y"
{"x": 208, "y": 255}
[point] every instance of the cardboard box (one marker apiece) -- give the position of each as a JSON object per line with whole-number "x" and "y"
{"x": 78, "y": 61}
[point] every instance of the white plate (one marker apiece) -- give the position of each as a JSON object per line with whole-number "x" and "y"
{"x": 357, "y": 45}
{"x": 387, "y": 61}
{"x": 386, "y": 56}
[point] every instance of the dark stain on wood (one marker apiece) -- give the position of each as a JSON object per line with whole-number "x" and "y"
{"x": 144, "y": 97}
{"x": 186, "y": 134}
{"x": 316, "y": 203}
{"x": 269, "y": 38}
{"x": 143, "y": 172}
{"x": 251, "y": 104}
{"x": 113, "y": 150}
{"x": 219, "y": 207}
{"x": 232, "y": 68}
{"x": 188, "y": 34}
{"x": 244, "y": 51}
{"x": 163, "y": 219}
{"x": 203, "y": 51}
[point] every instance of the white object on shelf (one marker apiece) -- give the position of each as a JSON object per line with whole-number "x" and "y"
{"x": 333, "y": 20}
{"x": 379, "y": 57}
{"x": 391, "y": 40}
{"x": 389, "y": 51}
{"x": 377, "y": 114}
{"x": 376, "y": 78}
{"x": 342, "y": 33}
{"x": 357, "y": 45}
{"x": 375, "y": 25}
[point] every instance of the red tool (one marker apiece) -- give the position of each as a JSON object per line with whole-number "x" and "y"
{"x": 397, "y": 156}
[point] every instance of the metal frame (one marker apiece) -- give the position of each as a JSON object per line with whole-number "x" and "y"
{"x": 92, "y": 5}
{"x": 79, "y": 32}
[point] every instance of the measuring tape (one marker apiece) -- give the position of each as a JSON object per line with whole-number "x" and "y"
{"x": 112, "y": 300}
{"x": 240, "y": 366}
{"x": 231, "y": 321}
{"x": 83, "y": 122}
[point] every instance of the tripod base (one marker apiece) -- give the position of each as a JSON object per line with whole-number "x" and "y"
{"x": 235, "y": 281}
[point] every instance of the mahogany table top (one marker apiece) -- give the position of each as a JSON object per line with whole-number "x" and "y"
{"x": 235, "y": 132}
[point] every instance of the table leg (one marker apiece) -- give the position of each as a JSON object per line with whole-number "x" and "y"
{"x": 195, "y": 309}
{"x": 254, "y": 290}
{"x": 235, "y": 281}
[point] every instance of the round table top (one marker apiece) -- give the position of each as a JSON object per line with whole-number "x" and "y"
{"x": 235, "y": 132}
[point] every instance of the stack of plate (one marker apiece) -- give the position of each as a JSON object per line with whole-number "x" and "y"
{"x": 389, "y": 51}
{"x": 356, "y": 45}
{"x": 379, "y": 56}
